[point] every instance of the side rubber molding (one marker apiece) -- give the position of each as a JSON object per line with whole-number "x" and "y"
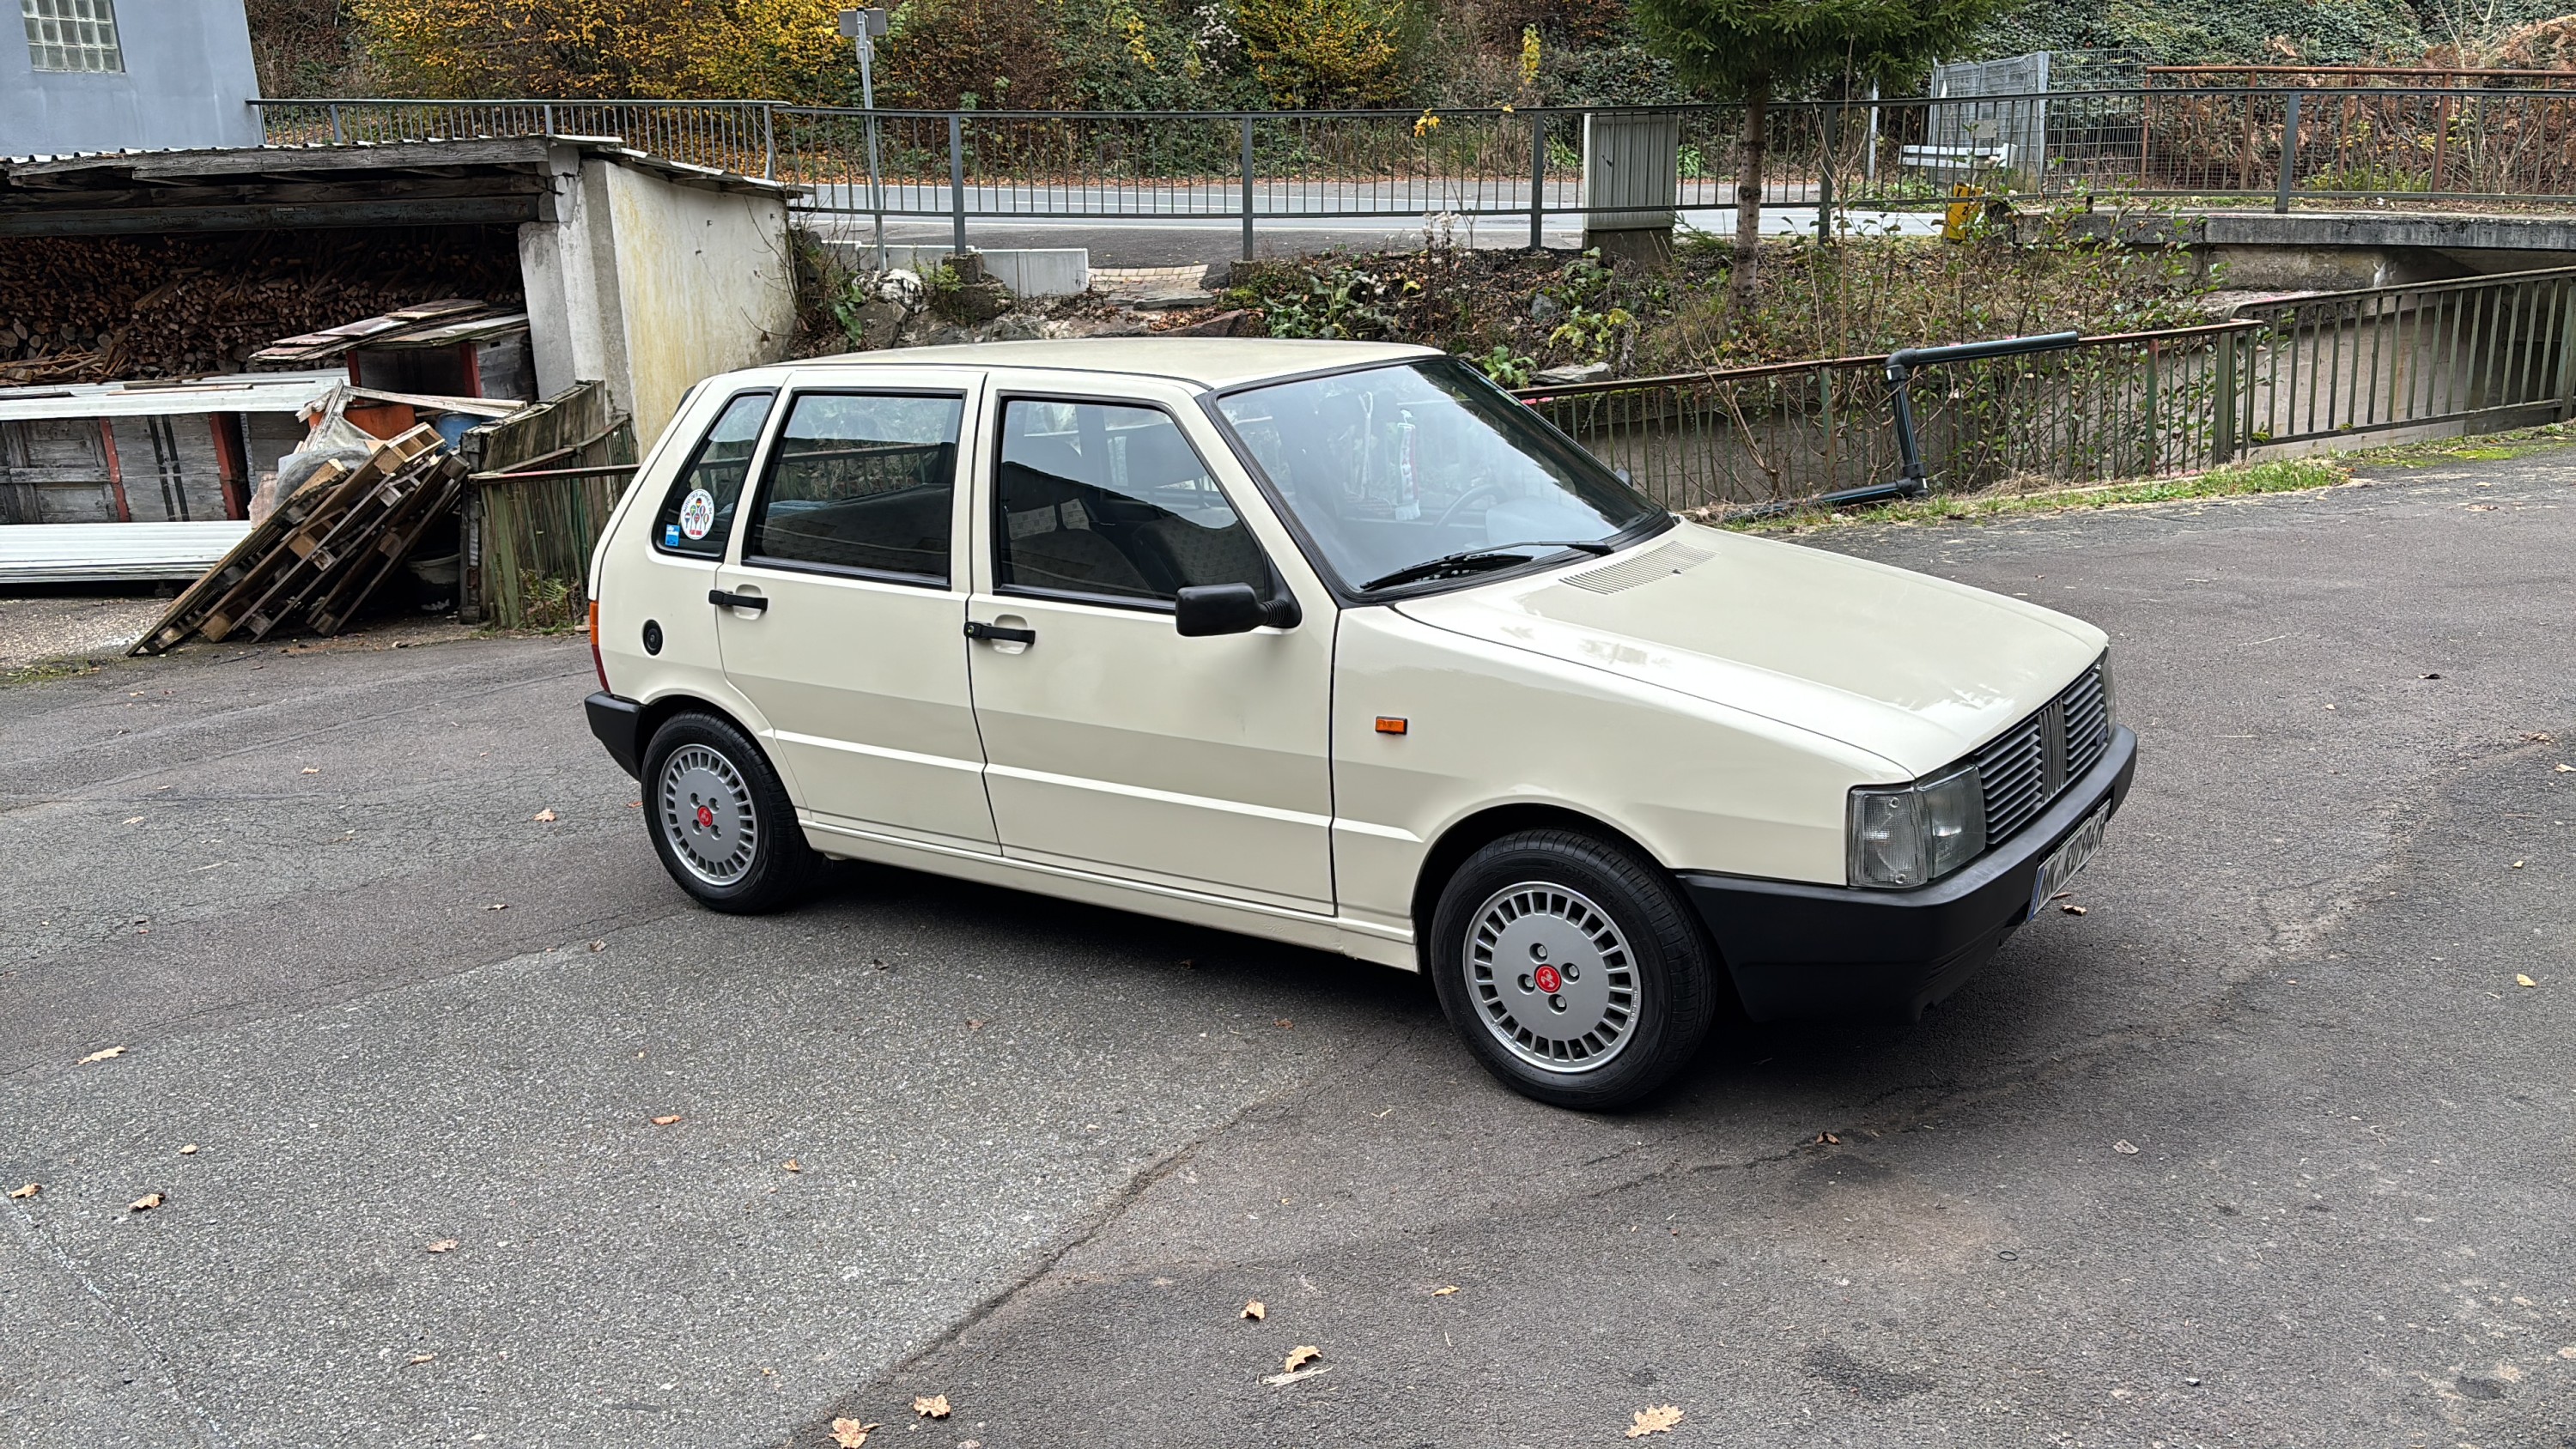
{"x": 619, "y": 724}
{"x": 1810, "y": 950}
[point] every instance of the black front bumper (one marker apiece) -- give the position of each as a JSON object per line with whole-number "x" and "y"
{"x": 619, "y": 723}
{"x": 1810, "y": 950}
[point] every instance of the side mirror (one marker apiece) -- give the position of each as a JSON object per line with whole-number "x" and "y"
{"x": 1206, "y": 609}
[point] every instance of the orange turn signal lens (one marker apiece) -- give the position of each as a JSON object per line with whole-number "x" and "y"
{"x": 1389, "y": 724}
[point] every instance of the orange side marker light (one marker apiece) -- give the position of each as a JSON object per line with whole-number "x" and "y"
{"x": 1390, "y": 724}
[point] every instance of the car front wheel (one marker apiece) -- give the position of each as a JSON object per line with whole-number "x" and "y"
{"x": 1573, "y": 970}
{"x": 721, "y": 819}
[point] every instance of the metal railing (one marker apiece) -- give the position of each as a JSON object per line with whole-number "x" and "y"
{"x": 2431, "y": 359}
{"x": 2406, "y": 143}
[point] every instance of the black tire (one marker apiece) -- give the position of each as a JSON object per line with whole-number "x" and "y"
{"x": 1573, "y": 904}
{"x": 721, "y": 821}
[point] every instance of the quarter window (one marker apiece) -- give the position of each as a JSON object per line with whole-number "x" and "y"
{"x": 861, "y": 482}
{"x": 1109, "y": 499}
{"x": 76, "y": 35}
{"x": 696, "y": 516}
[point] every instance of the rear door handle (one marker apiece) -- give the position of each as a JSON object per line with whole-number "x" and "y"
{"x": 723, "y": 600}
{"x": 1000, "y": 633}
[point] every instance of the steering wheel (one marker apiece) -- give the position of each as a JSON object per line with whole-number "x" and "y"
{"x": 1463, "y": 499}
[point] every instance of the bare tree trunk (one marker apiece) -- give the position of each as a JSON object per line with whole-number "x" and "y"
{"x": 1748, "y": 200}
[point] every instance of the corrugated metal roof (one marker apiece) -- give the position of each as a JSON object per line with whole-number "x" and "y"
{"x": 65, "y": 553}
{"x": 262, "y": 392}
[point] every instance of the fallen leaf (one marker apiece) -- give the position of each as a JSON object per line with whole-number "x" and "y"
{"x": 934, "y": 1407}
{"x": 974, "y": 1023}
{"x": 1255, "y": 1309}
{"x": 420, "y": 1358}
{"x": 2538, "y": 737}
{"x": 1826, "y": 1139}
{"x": 2431, "y": 676}
{"x": 599, "y": 945}
{"x": 101, "y": 1055}
{"x": 850, "y": 1433}
{"x": 1301, "y": 1355}
{"x": 498, "y": 906}
{"x": 545, "y": 817}
{"x": 313, "y": 769}
{"x": 443, "y": 1245}
{"x": 2072, "y": 909}
{"x": 188, "y": 1151}
{"x": 1657, "y": 1420}
{"x": 1275, "y": 1380}
{"x": 30, "y": 1190}
{"x": 1444, "y": 1292}
{"x": 2522, "y": 980}
{"x": 792, "y": 1165}
{"x": 2566, "y": 769}
{"x": 2125, "y": 1147}
{"x": 134, "y": 820}
{"x": 1284, "y": 1024}
{"x": 145, "y": 1203}
{"x": 666, "y": 1121}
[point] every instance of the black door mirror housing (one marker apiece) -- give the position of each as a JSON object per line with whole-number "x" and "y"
{"x": 1202, "y": 610}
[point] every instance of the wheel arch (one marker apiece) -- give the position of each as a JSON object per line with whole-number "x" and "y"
{"x": 1472, "y": 833}
{"x": 661, "y": 709}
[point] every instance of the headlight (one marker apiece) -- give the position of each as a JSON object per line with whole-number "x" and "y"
{"x": 1906, "y": 835}
{"x": 2110, "y": 696}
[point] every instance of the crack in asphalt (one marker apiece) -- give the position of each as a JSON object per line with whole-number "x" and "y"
{"x": 49, "y": 1256}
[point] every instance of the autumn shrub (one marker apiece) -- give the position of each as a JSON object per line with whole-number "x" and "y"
{"x": 1334, "y": 53}
{"x": 649, "y": 49}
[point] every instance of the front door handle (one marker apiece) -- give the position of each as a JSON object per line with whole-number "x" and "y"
{"x": 1000, "y": 633}
{"x": 723, "y": 600}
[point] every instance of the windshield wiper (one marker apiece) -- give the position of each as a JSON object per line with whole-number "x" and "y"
{"x": 1479, "y": 558}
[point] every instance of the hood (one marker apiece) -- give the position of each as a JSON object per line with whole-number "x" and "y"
{"x": 1917, "y": 670}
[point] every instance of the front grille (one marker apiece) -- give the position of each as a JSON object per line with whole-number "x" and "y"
{"x": 2026, "y": 767}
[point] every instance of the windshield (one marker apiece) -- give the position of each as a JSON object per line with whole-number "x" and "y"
{"x": 1393, "y": 468}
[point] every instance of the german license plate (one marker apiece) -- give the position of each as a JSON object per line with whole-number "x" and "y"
{"x": 2068, "y": 858}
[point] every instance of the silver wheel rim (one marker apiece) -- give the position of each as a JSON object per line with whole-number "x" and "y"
{"x": 707, "y": 815}
{"x": 1552, "y": 977}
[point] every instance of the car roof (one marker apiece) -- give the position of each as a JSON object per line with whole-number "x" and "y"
{"x": 1213, "y": 362}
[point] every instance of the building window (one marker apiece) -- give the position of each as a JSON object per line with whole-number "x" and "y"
{"x": 72, "y": 35}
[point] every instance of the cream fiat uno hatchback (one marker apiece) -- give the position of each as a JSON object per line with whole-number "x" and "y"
{"x": 1333, "y": 643}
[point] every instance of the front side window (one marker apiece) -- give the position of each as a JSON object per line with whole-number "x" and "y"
{"x": 77, "y": 35}
{"x": 1392, "y": 470}
{"x": 1111, "y": 499}
{"x": 861, "y": 481}
{"x": 696, "y": 516}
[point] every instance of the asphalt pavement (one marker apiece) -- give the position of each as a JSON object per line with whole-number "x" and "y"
{"x": 2268, "y": 1147}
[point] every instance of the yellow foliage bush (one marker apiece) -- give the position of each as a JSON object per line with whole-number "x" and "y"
{"x": 1325, "y": 53}
{"x": 650, "y": 49}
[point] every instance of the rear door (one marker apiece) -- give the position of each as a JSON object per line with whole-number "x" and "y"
{"x": 1114, "y": 745}
{"x": 845, "y": 607}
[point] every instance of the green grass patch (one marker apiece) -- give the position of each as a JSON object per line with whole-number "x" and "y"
{"x": 48, "y": 669}
{"x": 2286, "y": 475}
{"x": 2482, "y": 448}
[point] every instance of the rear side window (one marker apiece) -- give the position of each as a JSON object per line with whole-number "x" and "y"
{"x": 861, "y": 481}
{"x": 1104, "y": 498}
{"x": 696, "y": 516}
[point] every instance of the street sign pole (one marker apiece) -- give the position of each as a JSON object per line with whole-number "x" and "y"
{"x": 864, "y": 26}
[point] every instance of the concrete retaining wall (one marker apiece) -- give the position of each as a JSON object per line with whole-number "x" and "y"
{"x": 1026, "y": 271}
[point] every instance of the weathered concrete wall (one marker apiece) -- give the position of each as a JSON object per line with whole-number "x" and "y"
{"x": 648, "y": 284}
{"x": 187, "y": 82}
{"x": 2331, "y": 251}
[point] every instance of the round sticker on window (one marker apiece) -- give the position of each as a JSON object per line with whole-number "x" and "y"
{"x": 697, "y": 513}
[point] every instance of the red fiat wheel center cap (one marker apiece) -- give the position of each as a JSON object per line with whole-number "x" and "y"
{"x": 706, "y": 817}
{"x": 1547, "y": 978}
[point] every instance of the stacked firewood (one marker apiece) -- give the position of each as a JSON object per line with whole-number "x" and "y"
{"x": 89, "y": 309}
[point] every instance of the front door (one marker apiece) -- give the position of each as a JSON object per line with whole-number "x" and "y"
{"x": 846, "y": 620}
{"x": 1114, "y": 745}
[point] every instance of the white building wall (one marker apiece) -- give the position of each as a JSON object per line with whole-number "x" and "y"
{"x": 650, "y": 284}
{"x": 188, "y": 82}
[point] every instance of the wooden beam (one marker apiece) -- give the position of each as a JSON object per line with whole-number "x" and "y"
{"x": 459, "y": 211}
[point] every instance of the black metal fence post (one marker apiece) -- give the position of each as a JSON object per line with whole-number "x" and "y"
{"x": 2289, "y": 151}
{"x": 1538, "y": 180}
{"x": 1247, "y": 188}
{"x": 957, "y": 187}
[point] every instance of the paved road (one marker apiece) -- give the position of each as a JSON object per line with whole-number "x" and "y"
{"x": 1045, "y": 1153}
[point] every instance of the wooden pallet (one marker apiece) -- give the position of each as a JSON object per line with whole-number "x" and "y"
{"x": 296, "y": 553}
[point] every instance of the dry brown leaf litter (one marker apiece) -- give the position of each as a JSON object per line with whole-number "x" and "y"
{"x": 101, "y": 1055}
{"x": 1255, "y": 1309}
{"x": 850, "y": 1433}
{"x": 933, "y": 1407}
{"x": 23, "y": 1193}
{"x": 1300, "y": 1356}
{"x": 145, "y": 1203}
{"x": 1657, "y": 1420}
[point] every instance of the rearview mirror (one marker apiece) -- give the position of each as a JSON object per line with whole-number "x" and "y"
{"x": 1204, "y": 609}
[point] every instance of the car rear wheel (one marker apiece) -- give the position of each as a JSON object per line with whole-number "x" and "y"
{"x": 1574, "y": 971}
{"x": 721, "y": 819}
